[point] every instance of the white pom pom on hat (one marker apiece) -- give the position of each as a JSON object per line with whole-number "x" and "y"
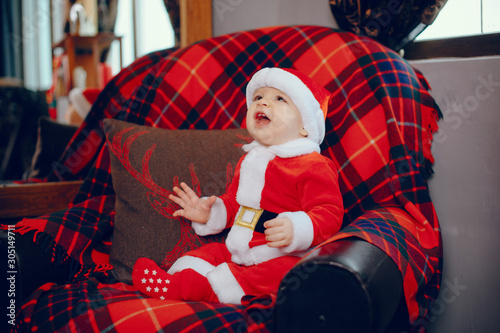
{"x": 310, "y": 98}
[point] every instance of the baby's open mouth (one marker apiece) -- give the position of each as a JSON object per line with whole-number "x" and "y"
{"x": 261, "y": 119}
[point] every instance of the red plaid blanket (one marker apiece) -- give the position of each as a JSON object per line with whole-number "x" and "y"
{"x": 93, "y": 306}
{"x": 379, "y": 130}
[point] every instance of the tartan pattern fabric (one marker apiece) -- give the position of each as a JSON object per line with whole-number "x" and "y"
{"x": 93, "y": 306}
{"x": 85, "y": 236}
{"x": 396, "y": 232}
{"x": 378, "y": 132}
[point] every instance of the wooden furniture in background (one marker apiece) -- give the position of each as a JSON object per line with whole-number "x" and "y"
{"x": 196, "y": 20}
{"x": 36, "y": 199}
{"x": 85, "y": 51}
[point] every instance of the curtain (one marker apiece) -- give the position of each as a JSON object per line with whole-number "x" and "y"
{"x": 394, "y": 23}
{"x": 173, "y": 11}
{"x": 11, "y": 39}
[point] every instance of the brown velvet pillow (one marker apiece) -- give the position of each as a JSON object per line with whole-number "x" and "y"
{"x": 146, "y": 163}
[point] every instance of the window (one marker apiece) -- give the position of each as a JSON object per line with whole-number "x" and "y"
{"x": 36, "y": 42}
{"x": 464, "y": 18}
{"x": 144, "y": 26}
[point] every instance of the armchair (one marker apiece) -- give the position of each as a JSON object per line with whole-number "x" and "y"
{"x": 378, "y": 274}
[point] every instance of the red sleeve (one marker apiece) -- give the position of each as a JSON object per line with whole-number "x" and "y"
{"x": 321, "y": 199}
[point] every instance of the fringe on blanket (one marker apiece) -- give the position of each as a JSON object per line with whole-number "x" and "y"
{"x": 430, "y": 123}
{"x": 46, "y": 243}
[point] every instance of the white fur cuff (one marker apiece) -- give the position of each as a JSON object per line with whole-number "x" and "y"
{"x": 197, "y": 264}
{"x": 303, "y": 231}
{"x": 216, "y": 222}
{"x": 225, "y": 285}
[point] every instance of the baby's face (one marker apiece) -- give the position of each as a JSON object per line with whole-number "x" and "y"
{"x": 273, "y": 118}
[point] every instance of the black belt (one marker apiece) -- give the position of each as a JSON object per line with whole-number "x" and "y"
{"x": 254, "y": 218}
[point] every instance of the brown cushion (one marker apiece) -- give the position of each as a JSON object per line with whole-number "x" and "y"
{"x": 146, "y": 163}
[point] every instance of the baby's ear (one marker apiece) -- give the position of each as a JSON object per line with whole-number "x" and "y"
{"x": 304, "y": 133}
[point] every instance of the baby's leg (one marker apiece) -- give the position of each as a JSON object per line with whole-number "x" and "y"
{"x": 202, "y": 260}
{"x": 185, "y": 285}
{"x": 230, "y": 281}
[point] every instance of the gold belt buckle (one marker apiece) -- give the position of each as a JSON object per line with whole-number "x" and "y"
{"x": 248, "y": 217}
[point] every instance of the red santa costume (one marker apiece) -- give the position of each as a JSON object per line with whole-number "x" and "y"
{"x": 291, "y": 180}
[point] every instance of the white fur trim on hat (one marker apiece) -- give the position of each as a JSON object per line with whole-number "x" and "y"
{"x": 300, "y": 94}
{"x": 79, "y": 102}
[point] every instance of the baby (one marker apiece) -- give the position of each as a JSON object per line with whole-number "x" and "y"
{"x": 284, "y": 199}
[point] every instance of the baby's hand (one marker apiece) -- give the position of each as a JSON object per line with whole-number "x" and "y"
{"x": 194, "y": 208}
{"x": 279, "y": 232}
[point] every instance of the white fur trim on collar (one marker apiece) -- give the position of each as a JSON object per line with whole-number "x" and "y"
{"x": 288, "y": 149}
{"x": 295, "y": 148}
{"x": 252, "y": 176}
{"x": 254, "y": 166}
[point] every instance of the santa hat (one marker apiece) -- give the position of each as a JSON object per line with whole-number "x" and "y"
{"x": 82, "y": 100}
{"x": 310, "y": 98}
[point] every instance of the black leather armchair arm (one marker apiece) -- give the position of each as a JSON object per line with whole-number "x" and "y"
{"x": 347, "y": 286}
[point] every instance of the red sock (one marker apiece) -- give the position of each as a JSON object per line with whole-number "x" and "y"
{"x": 186, "y": 285}
{"x": 153, "y": 281}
